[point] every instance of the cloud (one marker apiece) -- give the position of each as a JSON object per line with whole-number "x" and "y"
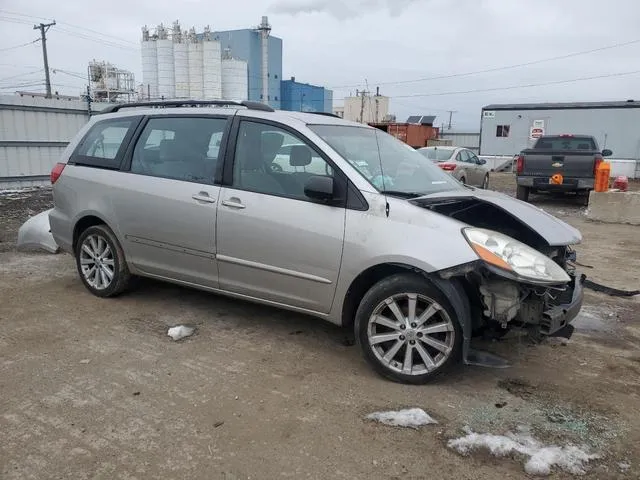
{"x": 339, "y": 9}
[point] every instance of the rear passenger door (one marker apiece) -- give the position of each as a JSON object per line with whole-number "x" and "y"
{"x": 274, "y": 243}
{"x": 166, "y": 202}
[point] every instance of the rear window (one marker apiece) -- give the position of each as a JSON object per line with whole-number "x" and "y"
{"x": 104, "y": 143}
{"x": 565, "y": 143}
{"x": 436, "y": 154}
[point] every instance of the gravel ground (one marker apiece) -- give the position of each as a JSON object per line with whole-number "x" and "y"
{"x": 93, "y": 388}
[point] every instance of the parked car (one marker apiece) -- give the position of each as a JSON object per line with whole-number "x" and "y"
{"x": 415, "y": 266}
{"x": 573, "y": 159}
{"x": 462, "y": 163}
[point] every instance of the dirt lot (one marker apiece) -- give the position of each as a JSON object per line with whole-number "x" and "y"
{"x": 93, "y": 388}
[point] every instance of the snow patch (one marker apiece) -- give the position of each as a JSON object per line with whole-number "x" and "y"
{"x": 410, "y": 417}
{"x": 181, "y": 331}
{"x": 541, "y": 460}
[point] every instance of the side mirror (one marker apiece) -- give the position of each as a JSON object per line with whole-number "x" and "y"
{"x": 606, "y": 152}
{"x": 481, "y": 161}
{"x": 319, "y": 187}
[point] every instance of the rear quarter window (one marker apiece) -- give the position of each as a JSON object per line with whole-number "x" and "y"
{"x": 104, "y": 144}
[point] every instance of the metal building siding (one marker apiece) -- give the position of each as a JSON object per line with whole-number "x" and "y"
{"x": 468, "y": 140}
{"x": 618, "y": 126}
{"x": 245, "y": 45}
{"x": 303, "y": 97}
{"x": 33, "y": 136}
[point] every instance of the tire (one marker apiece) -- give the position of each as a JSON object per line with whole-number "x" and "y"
{"x": 442, "y": 345}
{"x": 585, "y": 198}
{"x": 463, "y": 180}
{"x": 522, "y": 193}
{"x": 485, "y": 182}
{"x": 99, "y": 242}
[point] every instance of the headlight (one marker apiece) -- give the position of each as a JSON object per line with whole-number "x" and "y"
{"x": 515, "y": 257}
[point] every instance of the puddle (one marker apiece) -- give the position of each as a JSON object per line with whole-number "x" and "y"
{"x": 596, "y": 319}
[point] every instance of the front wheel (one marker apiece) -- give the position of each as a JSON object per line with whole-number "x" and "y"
{"x": 522, "y": 193}
{"x": 485, "y": 182}
{"x": 407, "y": 329}
{"x": 101, "y": 263}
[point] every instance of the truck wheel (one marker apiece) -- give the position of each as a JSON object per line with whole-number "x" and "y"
{"x": 522, "y": 193}
{"x": 407, "y": 329}
{"x": 584, "y": 198}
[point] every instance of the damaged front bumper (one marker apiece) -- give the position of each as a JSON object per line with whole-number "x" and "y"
{"x": 564, "y": 309}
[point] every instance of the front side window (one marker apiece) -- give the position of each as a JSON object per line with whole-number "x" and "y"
{"x": 387, "y": 163}
{"x": 181, "y": 148}
{"x": 103, "y": 142}
{"x": 271, "y": 160}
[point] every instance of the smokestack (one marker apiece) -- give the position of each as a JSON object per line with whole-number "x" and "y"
{"x": 265, "y": 29}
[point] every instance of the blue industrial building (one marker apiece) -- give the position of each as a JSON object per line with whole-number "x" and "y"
{"x": 303, "y": 97}
{"x": 246, "y": 45}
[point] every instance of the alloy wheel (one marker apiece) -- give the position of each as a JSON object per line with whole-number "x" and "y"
{"x": 411, "y": 334}
{"x": 97, "y": 262}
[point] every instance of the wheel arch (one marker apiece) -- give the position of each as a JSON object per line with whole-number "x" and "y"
{"x": 89, "y": 219}
{"x": 453, "y": 288}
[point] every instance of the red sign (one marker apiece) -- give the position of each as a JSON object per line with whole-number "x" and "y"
{"x": 537, "y": 132}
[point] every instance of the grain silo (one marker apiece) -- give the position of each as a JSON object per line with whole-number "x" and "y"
{"x": 196, "y": 85}
{"x": 180, "y": 62}
{"x": 149, "y": 51}
{"x": 235, "y": 78}
{"x": 166, "y": 69}
{"x": 211, "y": 64}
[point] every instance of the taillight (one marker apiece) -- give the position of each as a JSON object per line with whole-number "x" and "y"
{"x": 596, "y": 163}
{"x": 447, "y": 166}
{"x": 56, "y": 171}
{"x": 520, "y": 164}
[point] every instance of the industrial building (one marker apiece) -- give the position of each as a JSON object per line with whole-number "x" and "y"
{"x": 234, "y": 65}
{"x": 303, "y": 97}
{"x": 111, "y": 84}
{"x": 364, "y": 108}
{"x": 506, "y": 129}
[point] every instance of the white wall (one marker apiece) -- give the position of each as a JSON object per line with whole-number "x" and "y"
{"x": 353, "y": 106}
{"x": 33, "y": 134}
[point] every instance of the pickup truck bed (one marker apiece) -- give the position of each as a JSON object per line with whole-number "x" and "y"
{"x": 573, "y": 157}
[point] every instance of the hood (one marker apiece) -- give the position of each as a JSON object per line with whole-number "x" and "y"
{"x": 499, "y": 212}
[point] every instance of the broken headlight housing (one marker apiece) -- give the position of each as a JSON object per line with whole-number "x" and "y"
{"x": 513, "y": 258}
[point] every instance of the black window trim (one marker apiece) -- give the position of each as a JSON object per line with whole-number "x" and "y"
{"x": 217, "y": 176}
{"x": 98, "y": 162}
{"x": 354, "y": 200}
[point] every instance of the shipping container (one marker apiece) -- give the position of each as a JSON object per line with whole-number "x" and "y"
{"x": 417, "y": 136}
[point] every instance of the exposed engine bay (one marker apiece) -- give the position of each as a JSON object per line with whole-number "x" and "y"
{"x": 498, "y": 300}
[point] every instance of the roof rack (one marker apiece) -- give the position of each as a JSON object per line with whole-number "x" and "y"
{"x": 326, "y": 114}
{"x": 188, "y": 103}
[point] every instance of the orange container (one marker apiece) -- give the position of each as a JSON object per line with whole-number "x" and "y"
{"x": 603, "y": 172}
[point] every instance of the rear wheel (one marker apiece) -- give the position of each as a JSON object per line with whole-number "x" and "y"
{"x": 463, "y": 180}
{"x": 407, "y": 329}
{"x": 485, "y": 182}
{"x": 522, "y": 193}
{"x": 101, "y": 263}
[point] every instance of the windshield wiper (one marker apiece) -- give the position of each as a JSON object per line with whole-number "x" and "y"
{"x": 400, "y": 193}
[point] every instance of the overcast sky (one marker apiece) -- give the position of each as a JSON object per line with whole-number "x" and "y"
{"x": 350, "y": 42}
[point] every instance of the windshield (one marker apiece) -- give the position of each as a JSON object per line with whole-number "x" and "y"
{"x": 436, "y": 154}
{"x": 387, "y": 163}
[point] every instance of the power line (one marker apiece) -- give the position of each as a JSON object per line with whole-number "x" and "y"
{"x": 505, "y": 67}
{"x": 20, "y": 75}
{"x": 512, "y": 87}
{"x": 20, "y": 46}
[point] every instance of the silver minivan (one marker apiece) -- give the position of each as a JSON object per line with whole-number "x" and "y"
{"x": 350, "y": 225}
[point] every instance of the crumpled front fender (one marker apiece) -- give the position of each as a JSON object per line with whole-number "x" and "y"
{"x": 35, "y": 234}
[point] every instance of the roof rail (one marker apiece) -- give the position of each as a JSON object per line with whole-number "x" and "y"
{"x": 326, "y": 114}
{"x": 187, "y": 103}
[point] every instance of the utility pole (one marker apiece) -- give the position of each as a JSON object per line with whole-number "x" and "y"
{"x": 362, "y": 94}
{"x": 44, "y": 28}
{"x": 451, "y": 112}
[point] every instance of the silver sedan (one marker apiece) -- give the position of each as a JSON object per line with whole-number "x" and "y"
{"x": 460, "y": 162}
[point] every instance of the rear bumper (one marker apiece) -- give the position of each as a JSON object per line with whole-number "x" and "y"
{"x": 559, "y": 316}
{"x": 570, "y": 184}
